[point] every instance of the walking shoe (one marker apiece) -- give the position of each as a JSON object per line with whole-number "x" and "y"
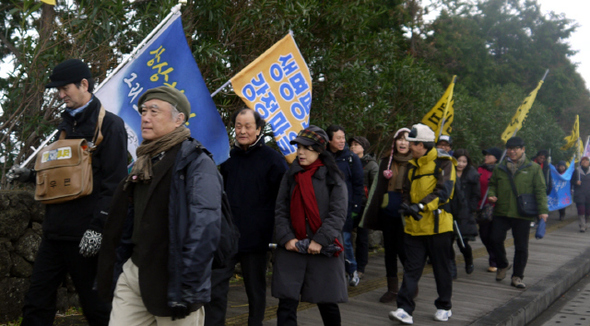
{"x": 354, "y": 279}
{"x": 402, "y": 316}
{"x": 442, "y": 315}
{"x": 469, "y": 268}
{"x": 501, "y": 273}
{"x": 361, "y": 274}
{"x": 517, "y": 282}
{"x": 492, "y": 269}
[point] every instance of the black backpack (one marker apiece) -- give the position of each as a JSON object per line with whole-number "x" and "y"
{"x": 228, "y": 242}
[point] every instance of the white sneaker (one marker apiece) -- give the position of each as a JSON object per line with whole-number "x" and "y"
{"x": 354, "y": 279}
{"x": 442, "y": 315}
{"x": 402, "y": 316}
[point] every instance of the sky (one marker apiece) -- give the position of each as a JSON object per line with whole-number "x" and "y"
{"x": 580, "y": 40}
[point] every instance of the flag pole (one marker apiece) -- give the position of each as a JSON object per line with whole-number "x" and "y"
{"x": 173, "y": 11}
{"x": 220, "y": 88}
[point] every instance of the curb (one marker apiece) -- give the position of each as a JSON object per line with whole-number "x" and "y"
{"x": 524, "y": 308}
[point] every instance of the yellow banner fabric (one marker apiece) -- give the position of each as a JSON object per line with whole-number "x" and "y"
{"x": 443, "y": 108}
{"x": 520, "y": 115}
{"x": 278, "y": 86}
{"x": 574, "y": 137}
{"x": 49, "y": 2}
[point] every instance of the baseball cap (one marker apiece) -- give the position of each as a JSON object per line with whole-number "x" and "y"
{"x": 421, "y": 133}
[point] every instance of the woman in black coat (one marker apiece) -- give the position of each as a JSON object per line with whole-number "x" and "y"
{"x": 464, "y": 206}
{"x": 310, "y": 212}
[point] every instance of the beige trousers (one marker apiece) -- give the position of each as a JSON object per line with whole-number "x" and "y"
{"x": 128, "y": 308}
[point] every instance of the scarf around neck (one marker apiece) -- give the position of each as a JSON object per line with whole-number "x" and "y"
{"x": 398, "y": 171}
{"x": 142, "y": 169}
{"x": 513, "y": 166}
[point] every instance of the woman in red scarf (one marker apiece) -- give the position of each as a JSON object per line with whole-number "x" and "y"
{"x": 311, "y": 206}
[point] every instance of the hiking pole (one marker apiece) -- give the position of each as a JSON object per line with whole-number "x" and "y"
{"x": 459, "y": 234}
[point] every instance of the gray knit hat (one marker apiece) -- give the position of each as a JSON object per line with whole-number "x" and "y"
{"x": 170, "y": 95}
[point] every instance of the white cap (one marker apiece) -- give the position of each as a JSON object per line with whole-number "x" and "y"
{"x": 421, "y": 133}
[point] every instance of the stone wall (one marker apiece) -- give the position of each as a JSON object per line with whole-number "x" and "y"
{"x": 20, "y": 235}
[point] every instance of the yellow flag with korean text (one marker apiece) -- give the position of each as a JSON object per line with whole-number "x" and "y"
{"x": 520, "y": 115}
{"x": 574, "y": 137}
{"x": 278, "y": 86}
{"x": 49, "y": 2}
{"x": 440, "y": 117}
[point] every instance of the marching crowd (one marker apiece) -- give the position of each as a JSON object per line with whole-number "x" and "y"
{"x": 142, "y": 247}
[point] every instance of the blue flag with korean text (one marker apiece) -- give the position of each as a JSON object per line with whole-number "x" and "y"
{"x": 561, "y": 194}
{"x": 166, "y": 60}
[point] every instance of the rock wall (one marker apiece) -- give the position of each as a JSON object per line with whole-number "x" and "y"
{"x": 20, "y": 235}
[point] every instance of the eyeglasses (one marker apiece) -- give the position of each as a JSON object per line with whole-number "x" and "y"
{"x": 508, "y": 149}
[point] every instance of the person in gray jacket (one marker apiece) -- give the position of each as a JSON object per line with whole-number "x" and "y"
{"x": 310, "y": 212}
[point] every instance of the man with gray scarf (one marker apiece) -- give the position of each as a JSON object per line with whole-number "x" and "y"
{"x": 528, "y": 179}
{"x": 165, "y": 222}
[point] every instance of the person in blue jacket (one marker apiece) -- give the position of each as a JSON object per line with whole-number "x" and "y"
{"x": 352, "y": 168}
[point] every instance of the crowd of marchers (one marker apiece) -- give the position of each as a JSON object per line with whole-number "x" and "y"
{"x": 140, "y": 248}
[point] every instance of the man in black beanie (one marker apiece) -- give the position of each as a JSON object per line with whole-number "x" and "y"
{"x": 72, "y": 230}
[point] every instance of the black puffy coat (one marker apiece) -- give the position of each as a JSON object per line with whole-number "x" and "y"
{"x": 581, "y": 192}
{"x": 252, "y": 179}
{"x": 465, "y": 200}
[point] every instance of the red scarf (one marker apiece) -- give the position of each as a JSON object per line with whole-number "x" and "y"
{"x": 304, "y": 203}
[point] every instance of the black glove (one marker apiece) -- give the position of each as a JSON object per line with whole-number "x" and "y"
{"x": 411, "y": 210}
{"x": 179, "y": 311}
{"x": 18, "y": 174}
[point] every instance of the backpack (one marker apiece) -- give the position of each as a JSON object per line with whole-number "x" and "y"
{"x": 228, "y": 242}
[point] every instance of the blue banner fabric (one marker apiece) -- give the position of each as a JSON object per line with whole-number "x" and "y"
{"x": 561, "y": 194}
{"x": 166, "y": 60}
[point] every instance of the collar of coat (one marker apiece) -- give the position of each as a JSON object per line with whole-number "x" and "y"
{"x": 432, "y": 155}
{"x": 257, "y": 144}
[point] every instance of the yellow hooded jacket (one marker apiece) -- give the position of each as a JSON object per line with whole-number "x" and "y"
{"x": 430, "y": 181}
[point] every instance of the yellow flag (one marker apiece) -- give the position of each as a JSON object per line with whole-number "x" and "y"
{"x": 49, "y": 2}
{"x": 574, "y": 137}
{"x": 278, "y": 86}
{"x": 443, "y": 108}
{"x": 521, "y": 114}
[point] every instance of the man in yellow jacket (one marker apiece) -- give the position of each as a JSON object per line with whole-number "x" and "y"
{"x": 427, "y": 190}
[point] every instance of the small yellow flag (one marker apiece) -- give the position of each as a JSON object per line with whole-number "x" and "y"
{"x": 49, "y": 2}
{"x": 521, "y": 114}
{"x": 574, "y": 137}
{"x": 443, "y": 108}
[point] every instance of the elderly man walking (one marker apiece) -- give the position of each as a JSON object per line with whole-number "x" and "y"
{"x": 516, "y": 176}
{"x": 165, "y": 222}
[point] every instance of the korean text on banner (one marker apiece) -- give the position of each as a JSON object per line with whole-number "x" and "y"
{"x": 574, "y": 137}
{"x": 443, "y": 108}
{"x": 166, "y": 60}
{"x": 278, "y": 86}
{"x": 521, "y": 114}
{"x": 561, "y": 195}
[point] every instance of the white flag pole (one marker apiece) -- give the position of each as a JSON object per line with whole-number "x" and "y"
{"x": 173, "y": 11}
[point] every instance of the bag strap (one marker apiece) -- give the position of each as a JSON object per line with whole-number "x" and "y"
{"x": 98, "y": 137}
{"x": 512, "y": 185}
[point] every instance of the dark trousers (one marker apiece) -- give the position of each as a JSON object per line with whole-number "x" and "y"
{"x": 520, "y": 232}
{"x": 287, "y": 313}
{"x": 362, "y": 248}
{"x": 466, "y": 251}
{"x": 393, "y": 243}
{"x": 485, "y": 233}
{"x": 254, "y": 272}
{"x": 54, "y": 260}
{"x": 438, "y": 248}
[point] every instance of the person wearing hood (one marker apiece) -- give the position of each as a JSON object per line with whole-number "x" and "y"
{"x": 382, "y": 211}
{"x": 350, "y": 165}
{"x": 359, "y": 145}
{"x": 581, "y": 181}
{"x": 492, "y": 156}
{"x": 561, "y": 167}
{"x": 252, "y": 177}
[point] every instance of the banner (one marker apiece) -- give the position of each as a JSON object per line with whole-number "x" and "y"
{"x": 586, "y": 151}
{"x": 561, "y": 194}
{"x": 166, "y": 60}
{"x": 521, "y": 114}
{"x": 49, "y": 2}
{"x": 574, "y": 137}
{"x": 278, "y": 86}
{"x": 443, "y": 108}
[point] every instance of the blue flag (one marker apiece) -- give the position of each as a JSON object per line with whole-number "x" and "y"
{"x": 166, "y": 60}
{"x": 561, "y": 194}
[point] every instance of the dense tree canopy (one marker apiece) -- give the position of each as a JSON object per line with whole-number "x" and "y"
{"x": 376, "y": 65}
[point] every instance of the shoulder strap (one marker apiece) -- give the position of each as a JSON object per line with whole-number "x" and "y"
{"x": 512, "y": 185}
{"x": 97, "y": 139}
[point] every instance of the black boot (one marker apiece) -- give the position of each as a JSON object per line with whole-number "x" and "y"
{"x": 392, "y": 288}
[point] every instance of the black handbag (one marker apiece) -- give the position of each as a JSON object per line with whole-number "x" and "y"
{"x": 526, "y": 204}
{"x": 486, "y": 214}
